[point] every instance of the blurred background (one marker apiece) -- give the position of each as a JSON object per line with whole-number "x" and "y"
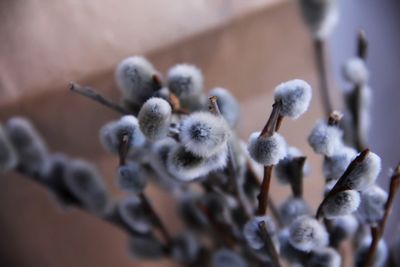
{"x": 247, "y": 46}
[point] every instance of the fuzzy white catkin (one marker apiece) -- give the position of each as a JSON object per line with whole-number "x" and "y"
{"x": 185, "y": 80}
{"x": 306, "y": 234}
{"x": 325, "y": 257}
{"x": 134, "y": 77}
{"x": 203, "y": 133}
{"x": 325, "y": 139}
{"x": 365, "y": 174}
{"x": 287, "y": 251}
{"x": 227, "y": 258}
{"x": 381, "y": 253}
{"x": 267, "y": 151}
{"x": 8, "y": 155}
{"x": 342, "y": 203}
{"x": 372, "y": 205}
{"x": 28, "y": 144}
{"x": 334, "y": 166}
{"x": 251, "y": 231}
{"x": 292, "y": 208}
{"x": 85, "y": 183}
{"x": 227, "y": 104}
{"x": 112, "y": 133}
{"x": 130, "y": 178}
{"x": 355, "y": 71}
{"x": 133, "y": 214}
{"x": 321, "y": 16}
{"x": 345, "y": 226}
{"x": 184, "y": 165}
{"x": 283, "y": 169}
{"x": 294, "y": 96}
{"x": 154, "y": 118}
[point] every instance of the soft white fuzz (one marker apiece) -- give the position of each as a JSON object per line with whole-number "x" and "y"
{"x": 306, "y": 234}
{"x": 203, "y": 133}
{"x": 294, "y": 96}
{"x": 325, "y": 257}
{"x": 227, "y": 104}
{"x": 355, "y": 71}
{"x": 154, "y": 118}
{"x": 267, "y": 151}
{"x": 185, "y": 80}
{"x": 325, "y": 139}
{"x": 321, "y": 16}
{"x": 372, "y": 205}
{"x": 28, "y": 144}
{"x": 292, "y": 208}
{"x": 334, "y": 166}
{"x": 346, "y": 225}
{"x": 343, "y": 203}
{"x": 251, "y": 231}
{"x": 130, "y": 178}
{"x": 85, "y": 183}
{"x": 134, "y": 77}
{"x": 112, "y": 133}
{"x": 381, "y": 253}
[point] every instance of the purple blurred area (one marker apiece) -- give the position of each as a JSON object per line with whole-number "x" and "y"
{"x": 381, "y": 22}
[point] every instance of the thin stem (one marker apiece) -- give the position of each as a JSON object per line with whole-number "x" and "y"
{"x": 377, "y": 231}
{"x": 296, "y": 166}
{"x": 264, "y": 193}
{"x": 342, "y": 183}
{"x": 269, "y": 244}
{"x": 362, "y": 45}
{"x": 270, "y": 126}
{"x": 322, "y": 76}
{"x": 92, "y": 94}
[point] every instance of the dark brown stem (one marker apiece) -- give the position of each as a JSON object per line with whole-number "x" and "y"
{"x": 270, "y": 247}
{"x": 92, "y": 94}
{"x": 322, "y": 76}
{"x": 342, "y": 183}
{"x": 362, "y": 45}
{"x": 296, "y": 183}
{"x": 377, "y": 231}
{"x": 264, "y": 191}
{"x": 271, "y": 124}
{"x": 279, "y": 123}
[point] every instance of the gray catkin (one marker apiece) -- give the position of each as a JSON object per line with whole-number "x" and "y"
{"x": 227, "y": 104}
{"x": 134, "y": 215}
{"x": 342, "y": 203}
{"x": 267, "y": 151}
{"x": 372, "y": 206}
{"x": 8, "y": 155}
{"x": 292, "y": 208}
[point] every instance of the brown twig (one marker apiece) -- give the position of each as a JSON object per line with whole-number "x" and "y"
{"x": 362, "y": 45}
{"x": 322, "y": 76}
{"x": 270, "y": 126}
{"x": 92, "y": 94}
{"x": 296, "y": 183}
{"x": 342, "y": 183}
{"x": 377, "y": 231}
{"x": 270, "y": 247}
{"x": 263, "y": 196}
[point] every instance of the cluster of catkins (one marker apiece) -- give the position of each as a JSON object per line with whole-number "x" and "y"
{"x": 179, "y": 138}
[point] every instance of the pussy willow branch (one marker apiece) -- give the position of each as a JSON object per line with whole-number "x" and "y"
{"x": 123, "y": 150}
{"x": 377, "y": 231}
{"x": 92, "y": 94}
{"x": 320, "y": 61}
{"x": 341, "y": 184}
{"x": 269, "y": 244}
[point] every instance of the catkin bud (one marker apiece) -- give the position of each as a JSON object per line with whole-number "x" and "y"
{"x": 203, "y": 134}
{"x": 321, "y": 16}
{"x": 342, "y": 203}
{"x": 28, "y": 144}
{"x": 380, "y": 257}
{"x": 227, "y": 258}
{"x": 287, "y": 251}
{"x": 251, "y": 231}
{"x": 372, "y": 205}
{"x": 294, "y": 96}
{"x": 306, "y": 234}
{"x": 267, "y": 151}
{"x": 325, "y": 139}
{"x": 292, "y": 208}
{"x": 285, "y": 168}
{"x": 364, "y": 174}
{"x": 111, "y": 134}
{"x": 185, "y": 80}
{"x": 84, "y": 182}
{"x": 335, "y": 165}
{"x": 189, "y": 211}
{"x": 227, "y": 105}
{"x": 324, "y": 257}
{"x": 8, "y": 155}
{"x": 130, "y": 178}
{"x": 134, "y": 77}
{"x": 146, "y": 248}
{"x": 154, "y": 118}
{"x": 343, "y": 227}
{"x": 133, "y": 214}
{"x": 355, "y": 71}
{"x": 185, "y": 248}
